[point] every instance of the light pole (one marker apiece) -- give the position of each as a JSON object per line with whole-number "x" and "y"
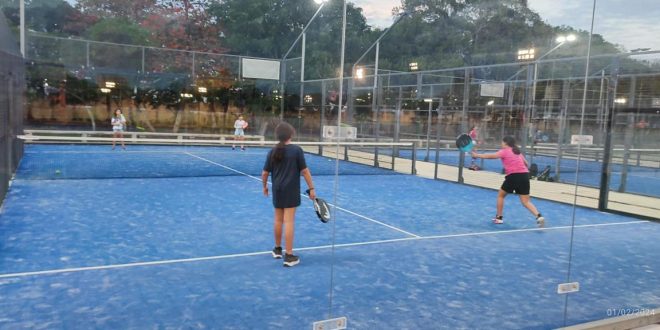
{"x": 529, "y": 55}
{"x": 359, "y": 73}
{"x": 302, "y": 69}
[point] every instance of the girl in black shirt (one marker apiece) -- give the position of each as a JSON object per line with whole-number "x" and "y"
{"x": 286, "y": 162}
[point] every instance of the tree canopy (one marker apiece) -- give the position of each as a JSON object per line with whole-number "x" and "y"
{"x": 436, "y": 34}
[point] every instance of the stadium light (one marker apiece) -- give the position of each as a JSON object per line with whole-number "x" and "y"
{"x": 621, "y": 100}
{"x": 110, "y": 84}
{"x": 413, "y": 66}
{"x": 202, "y": 90}
{"x": 106, "y": 90}
{"x": 491, "y": 102}
{"x": 359, "y": 73}
{"x": 567, "y": 38}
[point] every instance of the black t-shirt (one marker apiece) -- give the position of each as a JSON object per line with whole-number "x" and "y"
{"x": 286, "y": 173}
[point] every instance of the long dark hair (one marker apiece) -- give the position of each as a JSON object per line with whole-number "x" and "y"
{"x": 284, "y": 131}
{"x": 511, "y": 142}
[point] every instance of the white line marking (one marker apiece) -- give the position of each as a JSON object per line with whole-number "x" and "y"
{"x": 339, "y": 208}
{"x": 376, "y": 221}
{"x": 228, "y": 256}
{"x": 223, "y": 166}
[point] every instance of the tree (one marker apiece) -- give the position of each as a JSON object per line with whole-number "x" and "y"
{"x": 134, "y": 10}
{"x": 265, "y": 28}
{"x": 117, "y": 30}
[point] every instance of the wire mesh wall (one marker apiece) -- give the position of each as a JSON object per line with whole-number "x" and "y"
{"x": 12, "y": 87}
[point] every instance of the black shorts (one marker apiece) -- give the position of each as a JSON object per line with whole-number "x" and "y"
{"x": 516, "y": 183}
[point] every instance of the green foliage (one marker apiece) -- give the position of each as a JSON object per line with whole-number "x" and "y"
{"x": 119, "y": 30}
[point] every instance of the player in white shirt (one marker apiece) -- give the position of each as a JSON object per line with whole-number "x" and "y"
{"x": 239, "y": 131}
{"x": 118, "y": 122}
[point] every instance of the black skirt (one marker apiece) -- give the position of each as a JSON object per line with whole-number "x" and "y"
{"x": 286, "y": 198}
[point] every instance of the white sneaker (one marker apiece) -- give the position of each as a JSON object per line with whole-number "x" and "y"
{"x": 498, "y": 220}
{"x": 540, "y": 222}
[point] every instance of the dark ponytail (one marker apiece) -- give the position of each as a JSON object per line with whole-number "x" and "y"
{"x": 511, "y": 142}
{"x": 283, "y": 132}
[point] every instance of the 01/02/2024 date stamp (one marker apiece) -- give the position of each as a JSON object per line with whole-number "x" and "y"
{"x": 630, "y": 312}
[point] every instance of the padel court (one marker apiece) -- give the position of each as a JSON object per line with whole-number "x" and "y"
{"x": 175, "y": 237}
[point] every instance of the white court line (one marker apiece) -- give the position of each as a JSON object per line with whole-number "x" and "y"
{"x": 339, "y": 208}
{"x": 228, "y": 256}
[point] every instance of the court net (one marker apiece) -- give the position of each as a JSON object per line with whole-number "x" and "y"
{"x": 73, "y": 157}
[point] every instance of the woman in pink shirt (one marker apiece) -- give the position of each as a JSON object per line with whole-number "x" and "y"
{"x": 516, "y": 180}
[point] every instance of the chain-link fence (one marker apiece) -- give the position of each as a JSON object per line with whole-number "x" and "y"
{"x": 12, "y": 87}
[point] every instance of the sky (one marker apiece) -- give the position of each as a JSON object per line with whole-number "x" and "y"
{"x": 630, "y": 23}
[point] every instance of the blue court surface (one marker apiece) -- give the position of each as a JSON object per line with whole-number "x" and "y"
{"x": 182, "y": 240}
{"x": 643, "y": 180}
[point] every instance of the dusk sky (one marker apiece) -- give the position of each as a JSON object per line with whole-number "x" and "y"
{"x": 631, "y": 23}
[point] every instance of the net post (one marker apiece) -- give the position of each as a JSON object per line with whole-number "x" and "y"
{"x": 346, "y": 153}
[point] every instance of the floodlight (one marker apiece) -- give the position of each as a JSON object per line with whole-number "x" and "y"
{"x": 359, "y": 73}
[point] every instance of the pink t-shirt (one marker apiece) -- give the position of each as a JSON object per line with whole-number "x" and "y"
{"x": 512, "y": 163}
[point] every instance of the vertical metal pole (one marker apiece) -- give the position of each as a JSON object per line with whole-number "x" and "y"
{"x": 437, "y": 140}
{"x": 375, "y": 107}
{"x": 627, "y": 141}
{"x": 336, "y": 183}
{"x": 143, "y": 51}
{"x": 240, "y": 68}
{"x": 603, "y": 195}
{"x": 22, "y": 25}
{"x": 632, "y": 101}
{"x": 428, "y": 131}
{"x": 282, "y": 83}
{"x": 397, "y": 125}
{"x": 413, "y": 170}
{"x": 193, "y": 69}
{"x": 464, "y": 123}
{"x": 87, "y": 54}
{"x": 302, "y": 87}
{"x": 529, "y": 103}
{"x": 322, "y": 120}
{"x": 599, "y": 115}
{"x": 565, "y": 97}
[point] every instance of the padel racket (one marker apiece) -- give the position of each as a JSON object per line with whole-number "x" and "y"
{"x": 464, "y": 143}
{"x": 321, "y": 208}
